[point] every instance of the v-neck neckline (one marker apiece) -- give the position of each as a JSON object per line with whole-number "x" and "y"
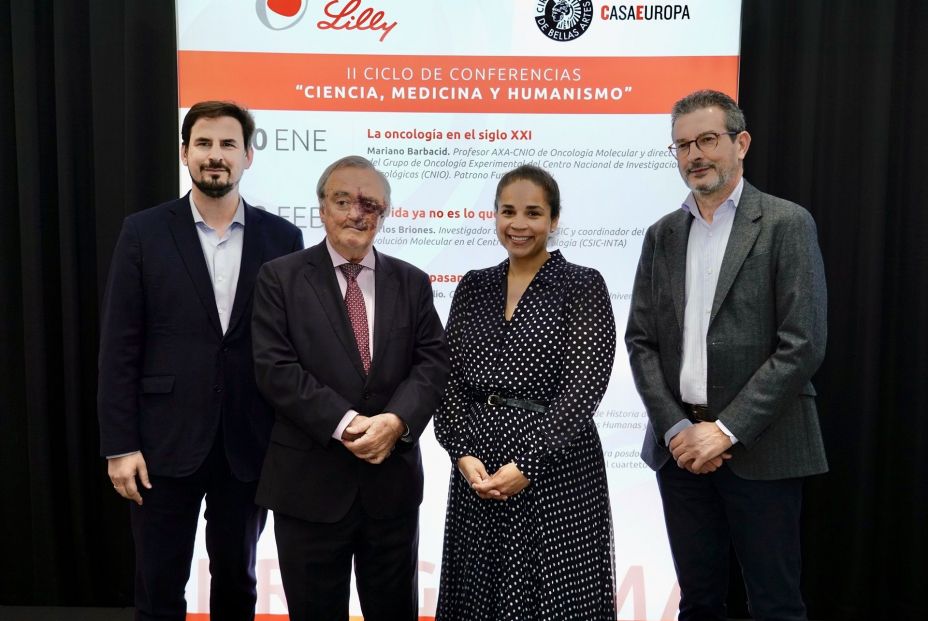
{"x": 552, "y": 258}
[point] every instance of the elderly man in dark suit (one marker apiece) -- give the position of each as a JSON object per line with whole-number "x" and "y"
{"x": 352, "y": 355}
{"x": 726, "y": 328}
{"x": 180, "y": 414}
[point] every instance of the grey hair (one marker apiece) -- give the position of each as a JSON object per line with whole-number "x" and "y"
{"x": 734, "y": 117}
{"x": 351, "y": 161}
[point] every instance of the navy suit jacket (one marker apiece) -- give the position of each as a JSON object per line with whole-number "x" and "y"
{"x": 308, "y": 367}
{"x": 169, "y": 380}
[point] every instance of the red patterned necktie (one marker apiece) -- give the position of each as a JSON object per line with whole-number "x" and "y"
{"x": 357, "y": 313}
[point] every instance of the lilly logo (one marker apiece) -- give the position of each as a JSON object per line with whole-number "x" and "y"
{"x": 283, "y": 14}
{"x": 280, "y": 14}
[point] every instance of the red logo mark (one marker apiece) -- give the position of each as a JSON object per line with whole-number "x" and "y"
{"x": 287, "y": 8}
{"x": 343, "y": 18}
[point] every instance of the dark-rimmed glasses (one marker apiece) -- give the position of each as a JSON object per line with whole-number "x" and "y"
{"x": 704, "y": 142}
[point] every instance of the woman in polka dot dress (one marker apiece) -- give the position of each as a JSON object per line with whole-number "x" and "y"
{"x": 528, "y": 534}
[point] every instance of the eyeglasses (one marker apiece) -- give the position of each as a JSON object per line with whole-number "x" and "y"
{"x": 366, "y": 206}
{"x": 704, "y": 142}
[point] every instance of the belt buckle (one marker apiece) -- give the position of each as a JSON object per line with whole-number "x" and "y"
{"x": 699, "y": 412}
{"x": 494, "y": 400}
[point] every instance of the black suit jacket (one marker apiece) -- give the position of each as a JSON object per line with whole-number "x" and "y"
{"x": 168, "y": 376}
{"x": 308, "y": 367}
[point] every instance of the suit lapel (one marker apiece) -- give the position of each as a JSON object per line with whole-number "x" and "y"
{"x": 320, "y": 275}
{"x": 675, "y": 242}
{"x": 185, "y": 236}
{"x": 744, "y": 231}
{"x": 252, "y": 258}
{"x": 385, "y": 296}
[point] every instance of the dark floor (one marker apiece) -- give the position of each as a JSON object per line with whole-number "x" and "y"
{"x": 45, "y": 613}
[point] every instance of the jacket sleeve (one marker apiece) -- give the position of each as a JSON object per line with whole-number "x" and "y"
{"x": 122, "y": 339}
{"x": 643, "y": 341}
{"x": 801, "y": 332}
{"x": 292, "y": 390}
{"x": 417, "y": 397}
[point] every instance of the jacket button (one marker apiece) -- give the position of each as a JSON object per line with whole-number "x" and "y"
{"x": 366, "y": 396}
{"x": 217, "y": 388}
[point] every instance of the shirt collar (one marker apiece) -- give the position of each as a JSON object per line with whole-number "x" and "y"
{"x": 238, "y": 218}
{"x": 369, "y": 261}
{"x": 730, "y": 203}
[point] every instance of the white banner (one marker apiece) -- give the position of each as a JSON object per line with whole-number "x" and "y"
{"x": 444, "y": 97}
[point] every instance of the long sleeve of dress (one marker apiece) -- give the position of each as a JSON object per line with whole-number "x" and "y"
{"x": 453, "y": 416}
{"x": 585, "y": 373}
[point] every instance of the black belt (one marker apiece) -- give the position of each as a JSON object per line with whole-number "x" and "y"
{"x": 699, "y": 413}
{"x": 525, "y": 404}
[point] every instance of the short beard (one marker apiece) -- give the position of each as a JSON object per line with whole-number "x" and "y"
{"x": 213, "y": 189}
{"x": 721, "y": 181}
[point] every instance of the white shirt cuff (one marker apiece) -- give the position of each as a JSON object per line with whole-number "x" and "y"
{"x": 122, "y": 455}
{"x": 725, "y": 430}
{"x": 680, "y": 426}
{"x": 346, "y": 420}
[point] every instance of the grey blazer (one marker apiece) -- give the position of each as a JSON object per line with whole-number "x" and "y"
{"x": 766, "y": 336}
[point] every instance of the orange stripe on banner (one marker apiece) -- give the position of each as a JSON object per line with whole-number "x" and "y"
{"x": 478, "y": 84}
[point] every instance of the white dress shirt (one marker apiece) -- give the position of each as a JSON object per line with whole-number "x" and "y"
{"x": 223, "y": 258}
{"x": 705, "y": 250}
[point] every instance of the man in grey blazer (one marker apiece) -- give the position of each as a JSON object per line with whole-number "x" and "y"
{"x": 726, "y": 327}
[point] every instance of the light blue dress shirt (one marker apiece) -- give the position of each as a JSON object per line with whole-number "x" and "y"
{"x": 223, "y": 258}
{"x": 705, "y": 250}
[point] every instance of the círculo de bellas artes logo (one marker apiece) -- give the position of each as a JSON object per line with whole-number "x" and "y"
{"x": 563, "y": 20}
{"x": 336, "y": 15}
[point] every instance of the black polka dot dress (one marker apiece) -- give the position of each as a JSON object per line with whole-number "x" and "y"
{"x": 545, "y": 553}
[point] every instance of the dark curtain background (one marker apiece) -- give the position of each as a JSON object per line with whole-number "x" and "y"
{"x": 834, "y": 94}
{"x": 88, "y": 121}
